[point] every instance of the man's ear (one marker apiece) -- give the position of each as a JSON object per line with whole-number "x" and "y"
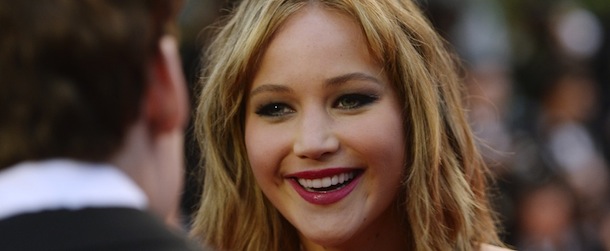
{"x": 166, "y": 100}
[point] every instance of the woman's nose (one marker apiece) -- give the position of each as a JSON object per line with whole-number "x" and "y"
{"x": 315, "y": 136}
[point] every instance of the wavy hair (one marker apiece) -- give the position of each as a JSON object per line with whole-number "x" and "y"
{"x": 444, "y": 195}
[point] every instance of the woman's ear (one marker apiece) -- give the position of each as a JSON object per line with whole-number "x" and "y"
{"x": 166, "y": 100}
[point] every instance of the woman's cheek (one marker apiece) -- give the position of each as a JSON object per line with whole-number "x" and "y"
{"x": 263, "y": 149}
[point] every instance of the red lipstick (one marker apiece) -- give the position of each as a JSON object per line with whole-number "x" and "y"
{"x": 325, "y": 186}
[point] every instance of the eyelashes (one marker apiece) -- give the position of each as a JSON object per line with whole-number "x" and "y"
{"x": 274, "y": 110}
{"x": 347, "y": 102}
{"x": 354, "y": 101}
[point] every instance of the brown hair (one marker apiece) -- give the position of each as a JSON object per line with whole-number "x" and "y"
{"x": 72, "y": 74}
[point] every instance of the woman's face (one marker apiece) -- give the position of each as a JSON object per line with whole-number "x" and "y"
{"x": 324, "y": 130}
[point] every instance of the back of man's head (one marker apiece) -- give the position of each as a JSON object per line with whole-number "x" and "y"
{"x": 73, "y": 74}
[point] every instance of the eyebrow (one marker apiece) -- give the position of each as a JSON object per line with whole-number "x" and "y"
{"x": 270, "y": 88}
{"x": 342, "y": 79}
{"x": 334, "y": 81}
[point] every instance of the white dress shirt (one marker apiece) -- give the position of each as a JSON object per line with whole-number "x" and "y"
{"x": 30, "y": 187}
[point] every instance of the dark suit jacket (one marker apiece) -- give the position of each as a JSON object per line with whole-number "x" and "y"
{"x": 89, "y": 229}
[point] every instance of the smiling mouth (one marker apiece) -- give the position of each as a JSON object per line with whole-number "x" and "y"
{"x": 327, "y": 184}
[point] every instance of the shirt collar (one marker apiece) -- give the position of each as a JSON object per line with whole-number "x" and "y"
{"x": 65, "y": 184}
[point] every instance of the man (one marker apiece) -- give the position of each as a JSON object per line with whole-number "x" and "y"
{"x": 93, "y": 105}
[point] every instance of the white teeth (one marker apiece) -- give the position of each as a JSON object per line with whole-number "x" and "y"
{"x": 317, "y": 183}
{"x": 326, "y": 181}
{"x": 335, "y": 180}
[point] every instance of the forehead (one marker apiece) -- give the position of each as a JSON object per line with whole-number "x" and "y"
{"x": 313, "y": 37}
{"x": 316, "y": 25}
{"x": 319, "y": 21}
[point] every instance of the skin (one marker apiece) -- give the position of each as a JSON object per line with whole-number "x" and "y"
{"x": 152, "y": 154}
{"x": 320, "y": 101}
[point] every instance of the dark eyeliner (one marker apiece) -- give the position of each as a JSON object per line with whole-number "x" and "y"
{"x": 274, "y": 109}
{"x": 355, "y": 100}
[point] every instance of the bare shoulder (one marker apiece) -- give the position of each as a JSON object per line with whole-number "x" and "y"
{"x": 487, "y": 247}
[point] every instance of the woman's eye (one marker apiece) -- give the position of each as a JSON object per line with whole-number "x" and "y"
{"x": 353, "y": 101}
{"x": 274, "y": 110}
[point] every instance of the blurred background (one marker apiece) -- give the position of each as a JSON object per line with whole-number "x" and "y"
{"x": 537, "y": 76}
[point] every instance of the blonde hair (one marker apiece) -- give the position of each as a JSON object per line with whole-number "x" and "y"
{"x": 444, "y": 192}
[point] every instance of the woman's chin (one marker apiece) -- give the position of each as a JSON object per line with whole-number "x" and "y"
{"x": 327, "y": 239}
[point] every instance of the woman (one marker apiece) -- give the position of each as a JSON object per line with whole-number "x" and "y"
{"x": 336, "y": 125}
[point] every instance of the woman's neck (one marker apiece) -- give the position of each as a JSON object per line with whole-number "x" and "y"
{"x": 387, "y": 233}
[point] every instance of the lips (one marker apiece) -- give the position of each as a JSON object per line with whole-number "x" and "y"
{"x": 327, "y": 186}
